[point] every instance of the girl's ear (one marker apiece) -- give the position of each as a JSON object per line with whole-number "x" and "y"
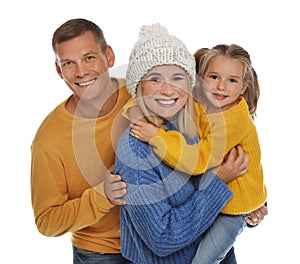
{"x": 244, "y": 88}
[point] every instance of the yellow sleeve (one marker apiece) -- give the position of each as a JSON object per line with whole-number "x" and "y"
{"x": 55, "y": 212}
{"x": 131, "y": 103}
{"x": 172, "y": 148}
{"x": 218, "y": 133}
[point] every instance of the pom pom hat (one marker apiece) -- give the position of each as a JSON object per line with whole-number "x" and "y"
{"x": 155, "y": 46}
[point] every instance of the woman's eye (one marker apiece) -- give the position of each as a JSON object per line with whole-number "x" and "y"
{"x": 179, "y": 78}
{"x": 154, "y": 79}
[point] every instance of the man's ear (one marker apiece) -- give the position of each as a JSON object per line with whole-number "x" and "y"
{"x": 58, "y": 70}
{"x": 110, "y": 56}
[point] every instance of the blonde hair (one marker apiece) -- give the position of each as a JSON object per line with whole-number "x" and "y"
{"x": 203, "y": 57}
{"x": 186, "y": 117}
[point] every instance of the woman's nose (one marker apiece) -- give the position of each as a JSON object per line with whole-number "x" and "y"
{"x": 166, "y": 88}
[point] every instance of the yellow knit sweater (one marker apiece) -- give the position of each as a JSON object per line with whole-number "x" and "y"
{"x": 219, "y": 132}
{"x": 69, "y": 157}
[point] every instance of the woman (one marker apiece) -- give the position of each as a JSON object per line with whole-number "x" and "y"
{"x": 167, "y": 211}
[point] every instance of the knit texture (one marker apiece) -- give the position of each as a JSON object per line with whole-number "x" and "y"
{"x": 68, "y": 156}
{"x": 155, "y": 46}
{"x": 167, "y": 210}
{"x": 219, "y": 133}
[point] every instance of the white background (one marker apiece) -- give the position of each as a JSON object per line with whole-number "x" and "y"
{"x": 30, "y": 88}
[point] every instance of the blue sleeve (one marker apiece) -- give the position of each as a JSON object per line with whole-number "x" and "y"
{"x": 163, "y": 227}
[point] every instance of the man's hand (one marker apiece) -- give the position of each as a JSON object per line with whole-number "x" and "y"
{"x": 115, "y": 189}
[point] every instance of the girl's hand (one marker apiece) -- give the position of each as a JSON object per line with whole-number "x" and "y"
{"x": 256, "y": 216}
{"x": 143, "y": 130}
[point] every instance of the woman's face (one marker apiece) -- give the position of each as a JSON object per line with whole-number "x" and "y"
{"x": 165, "y": 90}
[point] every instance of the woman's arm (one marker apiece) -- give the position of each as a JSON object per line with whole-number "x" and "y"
{"x": 159, "y": 223}
{"x": 234, "y": 166}
{"x": 166, "y": 228}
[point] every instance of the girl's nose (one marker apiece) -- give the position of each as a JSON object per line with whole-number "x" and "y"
{"x": 221, "y": 85}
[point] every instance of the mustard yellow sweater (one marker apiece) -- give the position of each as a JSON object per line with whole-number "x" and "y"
{"x": 219, "y": 132}
{"x": 69, "y": 157}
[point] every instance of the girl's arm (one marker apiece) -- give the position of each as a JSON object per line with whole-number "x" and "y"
{"x": 218, "y": 134}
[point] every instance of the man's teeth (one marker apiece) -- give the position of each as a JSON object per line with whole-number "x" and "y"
{"x": 86, "y": 83}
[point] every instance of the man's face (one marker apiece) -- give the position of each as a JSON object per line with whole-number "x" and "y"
{"x": 82, "y": 64}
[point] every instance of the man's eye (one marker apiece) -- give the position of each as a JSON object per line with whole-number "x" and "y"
{"x": 88, "y": 58}
{"x": 67, "y": 63}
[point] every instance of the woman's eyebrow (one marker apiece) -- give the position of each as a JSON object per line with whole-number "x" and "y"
{"x": 152, "y": 74}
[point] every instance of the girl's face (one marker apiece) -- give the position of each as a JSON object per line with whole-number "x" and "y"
{"x": 165, "y": 90}
{"x": 223, "y": 83}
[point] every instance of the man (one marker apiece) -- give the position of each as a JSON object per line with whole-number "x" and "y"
{"x": 74, "y": 148}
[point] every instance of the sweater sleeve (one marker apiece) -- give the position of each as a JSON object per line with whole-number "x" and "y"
{"x": 164, "y": 226}
{"x": 55, "y": 213}
{"x": 218, "y": 133}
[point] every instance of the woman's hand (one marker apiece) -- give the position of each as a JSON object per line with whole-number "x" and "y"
{"x": 234, "y": 166}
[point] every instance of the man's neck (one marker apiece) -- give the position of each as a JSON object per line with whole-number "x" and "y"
{"x": 96, "y": 107}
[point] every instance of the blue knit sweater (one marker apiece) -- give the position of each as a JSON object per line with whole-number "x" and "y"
{"x": 167, "y": 210}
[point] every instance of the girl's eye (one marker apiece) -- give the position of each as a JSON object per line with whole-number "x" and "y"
{"x": 233, "y": 80}
{"x": 213, "y": 76}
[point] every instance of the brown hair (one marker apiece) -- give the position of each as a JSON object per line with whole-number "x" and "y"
{"x": 76, "y": 27}
{"x": 233, "y": 51}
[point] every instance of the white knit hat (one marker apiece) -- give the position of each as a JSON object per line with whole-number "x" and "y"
{"x": 154, "y": 47}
